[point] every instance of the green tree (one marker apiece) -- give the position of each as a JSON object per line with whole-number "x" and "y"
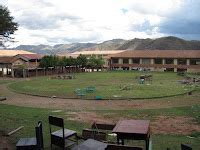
{"x": 7, "y": 25}
{"x": 99, "y": 62}
{"x": 95, "y": 63}
{"x": 91, "y": 62}
{"x": 63, "y": 62}
{"x": 45, "y": 62}
{"x": 82, "y": 60}
{"x": 49, "y": 61}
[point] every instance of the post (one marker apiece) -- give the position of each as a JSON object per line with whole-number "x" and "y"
{"x": 175, "y": 61}
{"x": 120, "y": 61}
{"x": 140, "y": 60}
{"x": 12, "y": 72}
{"x": 130, "y": 61}
{"x": 188, "y": 62}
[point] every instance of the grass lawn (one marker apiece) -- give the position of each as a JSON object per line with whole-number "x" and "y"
{"x": 109, "y": 85}
{"x": 12, "y": 117}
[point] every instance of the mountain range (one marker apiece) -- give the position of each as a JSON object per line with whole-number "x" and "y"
{"x": 164, "y": 43}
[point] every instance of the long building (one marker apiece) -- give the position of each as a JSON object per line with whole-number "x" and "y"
{"x": 156, "y": 60}
{"x": 13, "y": 61}
{"x": 103, "y": 53}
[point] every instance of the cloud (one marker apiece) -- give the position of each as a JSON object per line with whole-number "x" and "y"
{"x": 33, "y": 20}
{"x": 124, "y": 10}
{"x": 88, "y": 38}
{"x": 69, "y": 21}
{"x": 184, "y": 21}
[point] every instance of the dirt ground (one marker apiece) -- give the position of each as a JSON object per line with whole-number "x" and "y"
{"x": 160, "y": 124}
{"x": 5, "y": 144}
{"x": 78, "y": 104}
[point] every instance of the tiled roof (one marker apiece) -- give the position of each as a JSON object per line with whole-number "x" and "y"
{"x": 158, "y": 54}
{"x": 103, "y": 52}
{"x": 7, "y": 60}
{"x": 31, "y": 56}
{"x": 13, "y": 52}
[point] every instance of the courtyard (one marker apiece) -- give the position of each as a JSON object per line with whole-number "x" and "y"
{"x": 174, "y": 119}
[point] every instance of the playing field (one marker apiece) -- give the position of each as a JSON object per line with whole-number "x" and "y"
{"x": 106, "y": 85}
{"x": 173, "y": 120}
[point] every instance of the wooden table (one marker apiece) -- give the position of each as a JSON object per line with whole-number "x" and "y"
{"x": 134, "y": 130}
{"x": 90, "y": 144}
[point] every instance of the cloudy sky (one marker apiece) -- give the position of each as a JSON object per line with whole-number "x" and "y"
{"x": 68, "y": 21}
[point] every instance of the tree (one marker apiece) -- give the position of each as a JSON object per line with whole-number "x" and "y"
{"x": 49, "y": 61}
{"x": 91, "y": 62}
{"x": 46, "y": 62}
{"x": 99, "y": 63}
{"x": 7, "y": 26}
{"x": 95, "y": 63}
{"x": 82, "y": 61}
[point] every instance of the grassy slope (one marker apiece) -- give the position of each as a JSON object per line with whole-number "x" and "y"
{"x": 12, "y": 117}
{"x": 108, "y": 84}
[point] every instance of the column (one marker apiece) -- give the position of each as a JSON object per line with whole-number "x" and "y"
{"x": 12, "y": 72}
{"x": 152, "y": 63}
{"x": 120, "y": 61}
{"x": 163, "y": 61}
{"x": 188, "y": 62}
{"x": 130, "y": 61}
{"x": 140, "y": 60}
{"x": 175, "y": 61}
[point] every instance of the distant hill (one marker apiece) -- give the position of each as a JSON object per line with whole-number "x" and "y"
{"x": 164, "y": 43}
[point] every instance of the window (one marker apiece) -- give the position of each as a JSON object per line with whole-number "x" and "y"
{"x": 182, "y": 61}
{"x": 125, "y": 61}
{"x": 115, "y": 61}
{"x": 158, "y": 61}
{"x": 145, "y": 61}
{"x": 169, "y": 61}
{"x": 136, "y": 61}
{"x": 194, "y": 61}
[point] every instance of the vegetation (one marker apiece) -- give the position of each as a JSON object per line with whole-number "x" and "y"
{"x": 80, "y": 62}
{"x": 13, "y": 116}
{"x": 7, "y": 25}
{"x": 109, "y": 85}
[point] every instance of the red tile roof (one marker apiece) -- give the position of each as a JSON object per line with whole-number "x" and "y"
{"x": 7, "y": 60}
{"x": 158, "y": 54}
{"x": 31, "y": 56}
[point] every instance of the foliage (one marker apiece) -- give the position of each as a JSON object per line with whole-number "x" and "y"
{"x": 49, "y": 61}
{"x": 91, "y": 62}
{"x": 94, "y": 62}
{"x": 82, "y": 60}
{"x": 7, "y": 25}
{"x": 14, "y": 116}
{"x": 108, "y": 85}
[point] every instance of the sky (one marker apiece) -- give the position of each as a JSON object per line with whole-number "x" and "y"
{"x": 69, "y": 21}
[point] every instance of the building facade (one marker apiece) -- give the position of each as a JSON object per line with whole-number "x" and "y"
{"x": 103, "y": 54}
{"x": 157, "y": 60}
{"x": 20, "y": 65}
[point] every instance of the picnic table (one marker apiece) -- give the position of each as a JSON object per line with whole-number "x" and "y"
{"x": 133, "y": 130}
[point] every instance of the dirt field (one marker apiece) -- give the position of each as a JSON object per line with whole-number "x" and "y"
{"x": 159, "y": 125}
{"x": 56, "y": 103}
